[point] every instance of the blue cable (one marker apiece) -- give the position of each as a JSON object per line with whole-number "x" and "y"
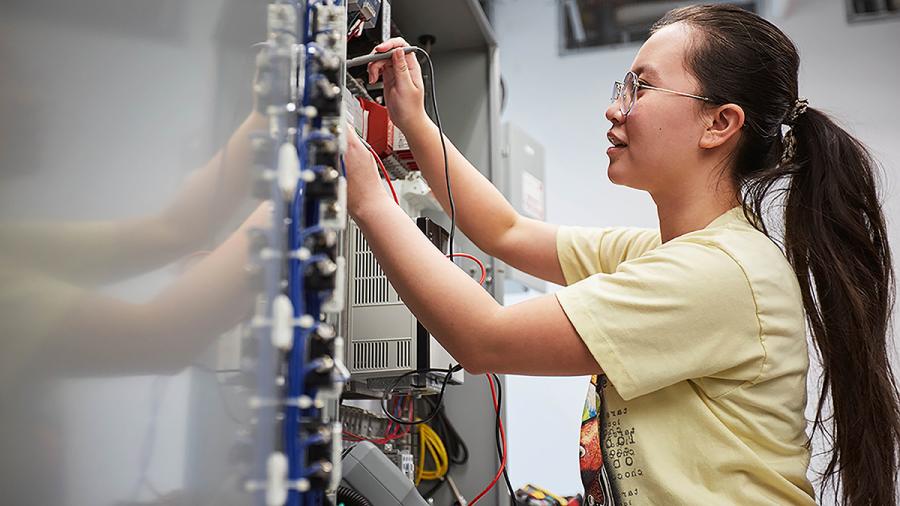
{"x": 298, "y": 349}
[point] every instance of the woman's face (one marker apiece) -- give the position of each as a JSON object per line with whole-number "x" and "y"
{"x": 662, "y": 132}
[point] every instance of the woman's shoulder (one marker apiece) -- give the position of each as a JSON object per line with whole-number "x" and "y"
{"x": 758, "y": 256}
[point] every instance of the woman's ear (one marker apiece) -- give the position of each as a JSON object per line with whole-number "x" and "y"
{"x": 723, "y": 123}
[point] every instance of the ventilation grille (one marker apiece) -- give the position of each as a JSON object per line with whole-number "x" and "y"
{"x": 403, "y": 354}
{"x": 370, "y": 285}
{"x": 370, "y": 355}
{"x": 381, "y": 355}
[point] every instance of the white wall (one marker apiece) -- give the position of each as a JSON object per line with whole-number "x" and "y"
{"x": 851, "y": 71}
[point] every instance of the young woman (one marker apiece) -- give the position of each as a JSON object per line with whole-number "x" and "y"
{"x": 695, "y": 333}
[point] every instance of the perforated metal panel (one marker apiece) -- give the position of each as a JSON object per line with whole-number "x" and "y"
{"x": 384, "y": 338}
{"x": 381, "y": 355}
{"x": 370, "y": 285}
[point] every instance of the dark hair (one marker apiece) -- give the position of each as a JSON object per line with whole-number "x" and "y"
{"x": 834, "y": 235}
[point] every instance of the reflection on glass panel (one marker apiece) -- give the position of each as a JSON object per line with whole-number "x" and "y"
{"x": 125, "y": 170}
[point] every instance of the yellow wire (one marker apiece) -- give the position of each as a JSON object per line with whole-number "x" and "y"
{"x": 430, "y": 441}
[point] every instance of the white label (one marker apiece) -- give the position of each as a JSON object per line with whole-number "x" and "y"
{"x": 400, "y": 143}
{"x": 385, "y": 20}
{"x": 354, "y": 111}
{"x": 532, "y": 196}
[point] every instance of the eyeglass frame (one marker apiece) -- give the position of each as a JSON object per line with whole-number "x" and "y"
{"x": 619, "y": 92}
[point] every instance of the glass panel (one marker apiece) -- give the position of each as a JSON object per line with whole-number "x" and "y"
{"x": 121, "y": 253}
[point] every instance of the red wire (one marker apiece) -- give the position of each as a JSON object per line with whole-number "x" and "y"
{"x": 392, "y": 432}
{"x": 378, "y": 441}
{"x": 387, "y": 178}
{"x": 474, "y": 259}
{"x": 384, "y": 171}
{"x": 395, "y": 431}
{"x": 502, "y": 437}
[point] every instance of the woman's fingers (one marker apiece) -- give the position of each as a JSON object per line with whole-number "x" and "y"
{"x": 376, "y": 68}
{"x": 389, "y": 79}
{"x": 402, "y": 76}
{"x": 415, "y": 70}
{"x": 391, "y": 44}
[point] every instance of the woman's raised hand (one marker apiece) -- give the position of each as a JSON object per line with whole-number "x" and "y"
{"x": 404, "y": 91}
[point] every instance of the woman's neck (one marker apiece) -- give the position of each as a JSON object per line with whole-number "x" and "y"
{"x": 681, "y": 215}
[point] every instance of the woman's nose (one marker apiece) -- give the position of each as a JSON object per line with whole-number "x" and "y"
{"x": 613, "y": 113}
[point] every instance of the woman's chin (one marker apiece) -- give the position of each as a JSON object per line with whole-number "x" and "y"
{"x": 616, "y": 174}
{"x": 620, "y": 175}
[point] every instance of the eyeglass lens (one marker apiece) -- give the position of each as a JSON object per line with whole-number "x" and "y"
{"x": 624, "y": 94}
{"x": 628, "y": 94}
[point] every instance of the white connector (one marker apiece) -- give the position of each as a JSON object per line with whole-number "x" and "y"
{"x": 276, "y": 486}
{"x": 335, "y": 302}
{"x": 282, "y": 322}
{"x": 288, "y": 169}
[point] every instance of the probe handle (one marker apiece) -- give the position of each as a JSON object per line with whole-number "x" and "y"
{"x": 369, "y": 58}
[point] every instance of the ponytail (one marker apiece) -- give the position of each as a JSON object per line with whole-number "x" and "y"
{"x": 836, "y": 239}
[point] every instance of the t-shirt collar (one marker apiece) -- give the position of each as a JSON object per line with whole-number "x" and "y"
{"x": 735, "y": 213}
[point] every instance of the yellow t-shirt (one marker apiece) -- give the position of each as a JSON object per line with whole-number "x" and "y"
{"x": 702, "y": 342}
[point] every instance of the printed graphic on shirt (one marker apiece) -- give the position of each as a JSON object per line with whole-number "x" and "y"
{"x": 608, "y": 451}
{"x": 598, "y": 489}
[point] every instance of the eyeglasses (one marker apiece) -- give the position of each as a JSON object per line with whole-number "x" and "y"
{"x": 625, "y": 92}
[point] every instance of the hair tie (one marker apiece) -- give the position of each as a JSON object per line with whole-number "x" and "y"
{"x": 789, "y": 139}
{"x": 800, "y": 107}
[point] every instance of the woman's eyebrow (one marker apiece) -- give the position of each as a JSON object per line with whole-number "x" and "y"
{"x": 646, "y": 72}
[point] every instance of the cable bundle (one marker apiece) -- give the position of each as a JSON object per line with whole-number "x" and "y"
{"x": 431, "y": 443}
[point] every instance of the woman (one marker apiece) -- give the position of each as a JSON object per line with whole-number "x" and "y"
{"x": 694, "y": 333}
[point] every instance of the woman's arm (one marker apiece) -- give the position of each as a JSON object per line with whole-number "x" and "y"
{"x": 103, "y": 251}
{"x": 101, "y": 334}
{"x": 482, "y": 212}
{"x": 533, "y": 337}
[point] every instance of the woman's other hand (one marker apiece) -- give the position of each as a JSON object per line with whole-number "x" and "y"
{"x": 364, "y": 185}
{"x": 404, "y": 90}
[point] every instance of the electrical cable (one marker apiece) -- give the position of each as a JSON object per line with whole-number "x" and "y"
{"x": 354, "y": 25}
{"x": 351, "y": 497}
{"x": 430, "y": 442}
{"x": 474, "y": 259}
{"x": 503, "y": 437}
{"x": 390, "y": 435}
{"x": 500, "y": 452}
{"x": 437, "y": 120}
{"x": 456, "y": 446}
{"x": 457, "y": 451}
{"x": 387, "y": 392}
{"x": 363, "y": 60}
{"x": 384, "y": 171}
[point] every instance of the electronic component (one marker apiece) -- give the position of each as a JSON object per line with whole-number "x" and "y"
{"x": 385, "y": 340}
{"x": 365, "y": 11}
{"x": 388, "y": 141}
{"x": 522, "y": 179}
{"x": 370, "y": 473}
{"x": 300, "y": 71}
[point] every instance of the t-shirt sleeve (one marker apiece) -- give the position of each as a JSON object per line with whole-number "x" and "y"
{"x": 584, "y": 251}
{"x": 681, "y": 311}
